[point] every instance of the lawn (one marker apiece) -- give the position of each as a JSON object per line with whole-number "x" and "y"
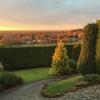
{"x": 61, "y": 86}
{"x": 33, "y": 75}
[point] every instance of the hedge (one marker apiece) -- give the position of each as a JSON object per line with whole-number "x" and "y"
{"x": 98, "y": 49}
{"x": 29, "y": 57}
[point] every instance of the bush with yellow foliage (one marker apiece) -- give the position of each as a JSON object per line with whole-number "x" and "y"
{"x": 60, "y": 61}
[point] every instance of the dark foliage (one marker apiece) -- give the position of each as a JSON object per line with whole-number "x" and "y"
{"x": 98, "y": 50}
{"x": 8, "y": 80}
{"x": 73, "y": 65}
{"x": 92, "y": 78}
{"x": 30, "y": 57}
{"x": 86, "y": 62}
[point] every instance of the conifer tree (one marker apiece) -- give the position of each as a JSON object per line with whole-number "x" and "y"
{"x": 98, "y": 50}
{"x": 86, "y": 62}
{"x": 60, "y": 61}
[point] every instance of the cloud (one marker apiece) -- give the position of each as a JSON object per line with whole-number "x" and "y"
{"x": 49, "y": 12}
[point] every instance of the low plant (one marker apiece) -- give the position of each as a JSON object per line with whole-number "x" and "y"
{"x": 92, "y": 78}
{"x": 8, "y": 80}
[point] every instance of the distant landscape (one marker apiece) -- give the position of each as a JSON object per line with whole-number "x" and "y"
{"x": 39, "y": 37}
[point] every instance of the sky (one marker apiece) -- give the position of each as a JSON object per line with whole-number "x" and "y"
{"x": 47, "y": 14}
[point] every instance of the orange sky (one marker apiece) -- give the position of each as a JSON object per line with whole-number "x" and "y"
{"x": 47, "y": 14}
{"x": 10, "y": 25}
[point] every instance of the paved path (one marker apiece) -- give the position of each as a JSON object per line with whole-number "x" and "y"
{"x": 28, "y": 92}
{"x": 32, "y": 92}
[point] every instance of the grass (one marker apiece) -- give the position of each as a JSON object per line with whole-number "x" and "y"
{"x": 33, "y": 75}
{"x": 63, "y": 85}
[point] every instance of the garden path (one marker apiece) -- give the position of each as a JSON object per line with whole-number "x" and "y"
{"x": 32, "y": 92}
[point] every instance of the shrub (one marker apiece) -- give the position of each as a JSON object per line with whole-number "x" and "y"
{"x": 86, "y": 62}
{"x": 73, "y": 65}
{"x": 8, "y": 80}
{"x": 92, "y": 78}
{"x": 60, "y": 61}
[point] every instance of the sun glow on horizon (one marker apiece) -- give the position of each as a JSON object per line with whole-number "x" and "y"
{"x": 30, "y": 27}
{"x": 3, "y": 28}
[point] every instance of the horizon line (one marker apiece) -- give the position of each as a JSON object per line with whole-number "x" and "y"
{"x": 41, "y": 30}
